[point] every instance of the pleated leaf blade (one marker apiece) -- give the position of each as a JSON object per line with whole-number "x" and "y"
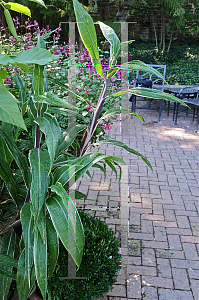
{"x": 88, "y": 34}
{"x": 68, "y": 225}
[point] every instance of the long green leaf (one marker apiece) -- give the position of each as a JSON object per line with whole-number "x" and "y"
{"x": 50, "y": 127}
{"x": 41, "y": 2}
{"x": 68, "y": 225}
{"x": 152, "y": 93}
{"x": 122, "y": 145}
{"x": 36, "y": 55}
{"x": 40, "y": 261}
{"x": 115, "y": 111}
{"x": 28, "y": 236}
{"x": 5, "y": 59}
{"x": 9, "y": 111}
{"x": 18, "y": 8}
{"x": 22, "y": 278}
{"x": 53, "y": 246}
{"x": 17, "y": 155}
{"x": 69, "y": 136}
{"x": 40, "y": 165}
{"x": 3, "y": 74}
{"x": 8, "y": 260}
{"x": 113, "y": 39}
{"x": 88, "y": 34}
{"x": 10, "y": 23}
{"x": 52, "y": 99}
{"x": 7, "y": 176}
{"x": 136, "y": 65}
{"x": 7, "y": 247}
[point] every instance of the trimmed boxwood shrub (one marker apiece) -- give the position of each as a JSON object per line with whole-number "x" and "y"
{"x": 100, "y": 263}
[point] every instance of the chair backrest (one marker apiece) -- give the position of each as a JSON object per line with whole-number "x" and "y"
{"x": 155, "y": 80}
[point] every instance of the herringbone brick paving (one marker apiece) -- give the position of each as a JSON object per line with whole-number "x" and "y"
{"x": 161, "y": 260}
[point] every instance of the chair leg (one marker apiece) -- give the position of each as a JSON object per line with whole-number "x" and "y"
{"x": 194, "y": 111}
{"x": 160, "y": 110}
{"x": 197, "y": 119}
{"x": 178, "y": 104}
{"x": 174, "y": 110}
{"x": 168, "y": 108}
{"x": 133, "y": 105}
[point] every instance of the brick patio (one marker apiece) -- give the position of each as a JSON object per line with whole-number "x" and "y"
{"x": 158, "y": 215}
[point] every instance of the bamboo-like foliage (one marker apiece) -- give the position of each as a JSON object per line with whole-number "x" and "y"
{"x": 35, "y": 182}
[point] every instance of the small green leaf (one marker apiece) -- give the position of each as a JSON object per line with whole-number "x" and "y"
{"x": 7, "y": 247}
{"x": 7, "y": 176}
{"x": 18, "y": 8}
{"x": 40, "y": 261}
{"x": 53, "y": 246}
{"x": 37, "y": 56}
{"x": 50, "y": 127}
{"x": 122, "y": 145}
{"x": 136, "y": 65}
{"x": 52, "y": 99}
{"x": 41, "y": 2}
{"x": 88, "y": 34}
{"x": 40, "y": 165}
{"x": 18, "y": 156}
{"x": 28, "y": 237}
{"x": 9, "y": 111}
{"x": 5, "y": 59}
{"x": 113, "y": 39}
{"x": 22, "y": 278}
{"x": 10, "y": 23}
{"x": 67, "y": 223}
{"x": 23, "y": 66}
{"x": 3, "y": 74}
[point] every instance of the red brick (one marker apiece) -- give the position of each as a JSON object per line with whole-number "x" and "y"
{"x": 160, "y": 234}
{"x": 142, "y": 270}
{"x": 157, "y": 281}
{"x": 174, "y": 242}
{"x": 157, "y": 209}
{"x": 190, "y": 251}
{"x": 164, "y": 268}
{"x": 190, "y": 239}
{"x": 149, "y": 293}
{"x": 179, "y": 231}
{"x": 154, "y": 244}
{"x": 146, "y": 226}
{"x": 183, "y": 222}
{"x": 165, "y": 224}
{"x": 134, "y": 286}
{"x": 148, "y": 257}
{"x": 195, "y": 289}
{"x": 167, "y": 294}
{"x": 180, "y": 279}
{"x": 194, "y": 274}
{"x": 184, "y": 264}
{"x": 152, "y": 217}
{"x": 141, "y": 236}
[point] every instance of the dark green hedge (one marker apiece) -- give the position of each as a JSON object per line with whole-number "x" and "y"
{"x": 182, "y": 60}
{"x": 99, "y": 266}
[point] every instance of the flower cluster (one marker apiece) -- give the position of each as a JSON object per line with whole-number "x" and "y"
{"x": 91, "y": 106}
{"x": 107, "y": 126}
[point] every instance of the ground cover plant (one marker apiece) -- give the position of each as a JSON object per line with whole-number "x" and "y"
{"x": 182, "y": 59}
{"x": 37, "y": 170}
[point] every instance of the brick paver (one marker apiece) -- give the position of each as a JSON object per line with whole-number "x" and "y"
{"x": 161, "y": 261}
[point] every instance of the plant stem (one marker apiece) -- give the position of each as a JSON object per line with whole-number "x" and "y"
{"x": 93, "y": 122}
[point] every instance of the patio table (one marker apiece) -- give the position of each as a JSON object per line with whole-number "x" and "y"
{"x": 189, "y": 94}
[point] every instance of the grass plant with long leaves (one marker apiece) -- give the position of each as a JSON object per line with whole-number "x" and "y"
{"x": 37, "y": 171}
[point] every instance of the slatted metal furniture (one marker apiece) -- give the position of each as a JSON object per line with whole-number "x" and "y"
{"x": 157, "y": 83}
{"x": 189, "y": 95}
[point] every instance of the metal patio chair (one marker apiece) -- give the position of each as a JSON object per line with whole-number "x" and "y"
{"x": 157, "y": 83}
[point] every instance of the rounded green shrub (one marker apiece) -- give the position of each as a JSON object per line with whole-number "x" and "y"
{"x": 99, "y": 266}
